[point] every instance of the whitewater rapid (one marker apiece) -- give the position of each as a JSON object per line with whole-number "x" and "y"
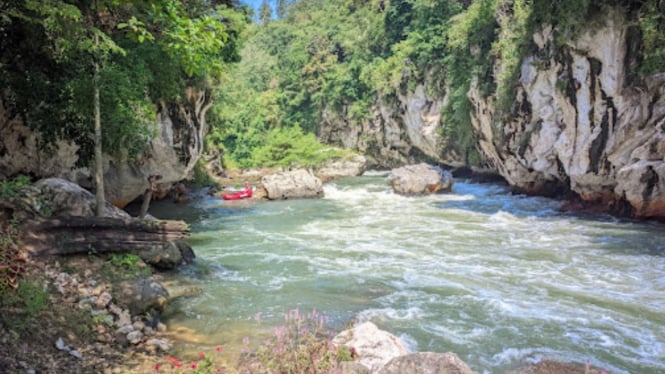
{"x": 499, "y": 279}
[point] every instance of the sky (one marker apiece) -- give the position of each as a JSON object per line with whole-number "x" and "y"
{"x": 254, "y": 3}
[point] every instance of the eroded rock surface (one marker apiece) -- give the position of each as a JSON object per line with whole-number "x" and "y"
{"x": 420, "y": 179}
{"x": 374, "y": 347}
{"x": 298, "y": 183}
{"x": 426, "y": 363}
{"x": 583, "y": 122}
{"x": 345, "y": 167}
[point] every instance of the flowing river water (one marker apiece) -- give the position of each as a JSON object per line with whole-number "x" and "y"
{"x": 500, "y": 279}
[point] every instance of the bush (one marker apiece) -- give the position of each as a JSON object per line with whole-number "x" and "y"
{"x": 289, "y": 146}
{"x": 10, "y": 189}
{"x": 301, "y": 345}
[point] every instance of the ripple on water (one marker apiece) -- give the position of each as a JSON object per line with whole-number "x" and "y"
{"x": 500, "y": 279}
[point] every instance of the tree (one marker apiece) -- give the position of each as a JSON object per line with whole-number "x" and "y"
{"x": 71, "y": 67}
{"x": 265, "y": 13}
{"x": 281, "y": 8}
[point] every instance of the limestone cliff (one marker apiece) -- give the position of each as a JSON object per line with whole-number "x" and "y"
{"x": 172, "y": 153}
{"x": 582, "y": 122}
{"x": 402, "y": 130}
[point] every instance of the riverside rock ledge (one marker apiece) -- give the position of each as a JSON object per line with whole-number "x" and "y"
{"x": 383, "y": 353}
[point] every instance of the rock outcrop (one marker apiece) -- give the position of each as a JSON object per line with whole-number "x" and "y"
{"x": 420, "y": 179}
{"x": 59, "y": 218}
{"x": 298, "y": 183}
{"x": 400, "y": 132}
{"x": 340, "y": 168}
{"x": 426, "y": 363}
{"x": 142, "y": 295}
{"x": 374, "y": 347}
{"x": 583, "y": 122}
{"x": 59, "y": 197}
{"x": 172, "y": 153}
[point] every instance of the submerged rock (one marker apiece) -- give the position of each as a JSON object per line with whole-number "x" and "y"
{"x": 420, "y": 179}
{"x": 298, "y": 183}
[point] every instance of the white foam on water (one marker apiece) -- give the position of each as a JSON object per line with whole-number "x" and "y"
{"x": 392, "y": 314}
{"x": 478, "y": 268}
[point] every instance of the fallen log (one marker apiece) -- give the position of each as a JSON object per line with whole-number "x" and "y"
{"x": 158, "y": 243}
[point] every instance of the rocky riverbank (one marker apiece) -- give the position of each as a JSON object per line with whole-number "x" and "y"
{"x": 76, "y": 319}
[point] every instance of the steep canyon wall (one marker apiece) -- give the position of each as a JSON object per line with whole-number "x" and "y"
{"x": 172, "y": 153}
{"x": 584, "y": 124}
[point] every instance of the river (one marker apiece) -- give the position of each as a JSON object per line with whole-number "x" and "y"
{"x": 500, "y": 279}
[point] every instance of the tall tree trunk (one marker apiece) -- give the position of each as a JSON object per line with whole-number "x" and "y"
{"x": 99, "y": 165}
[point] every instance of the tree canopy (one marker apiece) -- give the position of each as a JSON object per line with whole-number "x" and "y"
{"x": 346, "y": 55}
{"x": 150, "y": 51}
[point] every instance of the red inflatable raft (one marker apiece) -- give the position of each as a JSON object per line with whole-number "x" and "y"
{"x": 246, "y": 193}
{"x": 238, "y": 195}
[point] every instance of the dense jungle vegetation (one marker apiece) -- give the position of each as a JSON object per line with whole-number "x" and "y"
{"x": 273, "y": 78}
{"x": 346, "y": 56}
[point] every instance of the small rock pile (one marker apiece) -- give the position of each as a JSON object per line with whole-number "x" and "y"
{"x": 114, "y": 324}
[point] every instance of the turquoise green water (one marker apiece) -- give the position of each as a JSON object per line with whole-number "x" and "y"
{"x": 501, "y": 280}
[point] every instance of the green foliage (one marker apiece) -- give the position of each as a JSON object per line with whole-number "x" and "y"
{"x": 129, "y": 261}
{"x": 148, "y": 52}
{"x": 652, "y": 23}
{"x": 201, "y": 178}
{"x": 26, "y": 301}
{"x": 10, "y": 189}
{"x": 510, "y": 47}
{"x": 289, "y": 146}
{"x": 33, "y": 296}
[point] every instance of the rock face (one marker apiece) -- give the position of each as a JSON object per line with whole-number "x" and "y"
{"x": 63, "y": 198}
{"x": 292, "y": 184}
{"x": 375, "y": 347}
{"x": 420, "y": 179}
{"x": 397, "y": 133}
{"x": 346, "y": 167}
{"x": 426, "y": 363}
{"x": 583, "y": 122}
{"x": 173, "y": 152}
{"x": 20, "y": 152}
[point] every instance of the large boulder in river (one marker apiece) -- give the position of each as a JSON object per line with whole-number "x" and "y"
{"x": 426, "y": 363}
{"x": 344, "y": 167}
{"x": 298, "y": 183}
{"x": 374, "y": 347}
{"x": 420, "y": 179}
